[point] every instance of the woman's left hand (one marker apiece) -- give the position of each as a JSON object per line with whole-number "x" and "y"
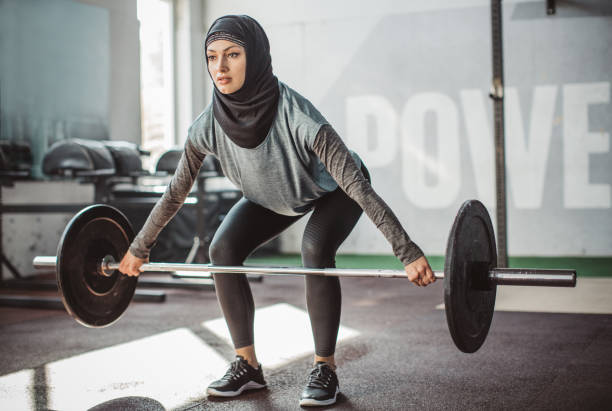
{"x": 419, "y": 272}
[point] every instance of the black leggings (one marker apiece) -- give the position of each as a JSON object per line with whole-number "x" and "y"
{"x": 247, "y": 226}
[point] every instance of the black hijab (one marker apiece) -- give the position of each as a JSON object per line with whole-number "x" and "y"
{"x": 247, "y": 114}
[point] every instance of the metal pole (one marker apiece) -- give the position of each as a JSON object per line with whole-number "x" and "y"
{"x": 497, "y": 94}
{"x": 498, "y": 276}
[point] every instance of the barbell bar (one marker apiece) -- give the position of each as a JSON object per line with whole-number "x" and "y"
{"x": 96, "y": 294}
{"x": 497, "y": 276}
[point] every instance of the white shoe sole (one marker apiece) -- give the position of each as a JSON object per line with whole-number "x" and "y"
{"x": 312, "y": 402}
{"x": 251, "y": 385}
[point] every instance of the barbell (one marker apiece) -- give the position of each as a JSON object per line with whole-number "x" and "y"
{"x": 96, "y": 294}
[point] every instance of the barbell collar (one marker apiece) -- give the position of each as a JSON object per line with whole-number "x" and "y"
{"x": 497, "y": 276}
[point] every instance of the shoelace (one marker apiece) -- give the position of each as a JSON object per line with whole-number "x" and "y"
{"x": 235, "y": 371}
{"x": 320, "y": 377}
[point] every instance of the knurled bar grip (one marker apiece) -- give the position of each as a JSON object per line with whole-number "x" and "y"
{"x": 497, "y": 276}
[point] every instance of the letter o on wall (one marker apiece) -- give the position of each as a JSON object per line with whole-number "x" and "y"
{"x": 445, "y": 166}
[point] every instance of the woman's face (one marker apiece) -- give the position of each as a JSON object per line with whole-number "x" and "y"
{"x": 226, "y": 65}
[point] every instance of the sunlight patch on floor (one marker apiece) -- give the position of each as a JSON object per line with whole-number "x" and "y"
{"x": 282, "y": 334}
{"x": 16, "y": 389}
{"x": 173, "y": 368}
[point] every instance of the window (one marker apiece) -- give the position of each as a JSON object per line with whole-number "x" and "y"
{"x": 156, "y": 77}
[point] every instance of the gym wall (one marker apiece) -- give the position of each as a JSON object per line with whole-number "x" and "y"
{"x": 406, "y": 85}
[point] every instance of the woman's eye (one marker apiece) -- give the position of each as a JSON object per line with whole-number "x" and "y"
{"x": 210, "y": 58}
{"x": 233, "y": 55}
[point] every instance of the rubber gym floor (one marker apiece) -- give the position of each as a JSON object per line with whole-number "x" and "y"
{"x": 547, "y": 349}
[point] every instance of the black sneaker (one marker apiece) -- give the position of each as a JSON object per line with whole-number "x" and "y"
{"x": 322, "y": 386}
{"x": 239, "y": 377}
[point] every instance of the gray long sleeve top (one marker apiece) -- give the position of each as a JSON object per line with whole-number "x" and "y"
{"x": 301, "y": 159}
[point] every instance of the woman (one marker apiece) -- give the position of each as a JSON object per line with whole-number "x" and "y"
{"x": 280, "y": 151}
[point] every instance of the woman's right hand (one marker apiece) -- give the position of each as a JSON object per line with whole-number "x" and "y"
{"x": 130, "y": 264}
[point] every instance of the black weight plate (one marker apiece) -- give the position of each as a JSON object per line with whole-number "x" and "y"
{"x": 92, "y": 299}
{"x": 469, "y": 298}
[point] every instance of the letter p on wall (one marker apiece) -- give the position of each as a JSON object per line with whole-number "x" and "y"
{"x": 366, "y": 110}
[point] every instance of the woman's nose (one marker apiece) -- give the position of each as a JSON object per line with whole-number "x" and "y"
{"x": 222, "y": 65}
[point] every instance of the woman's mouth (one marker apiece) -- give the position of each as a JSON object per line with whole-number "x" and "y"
{"x": 223, "y": 80}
